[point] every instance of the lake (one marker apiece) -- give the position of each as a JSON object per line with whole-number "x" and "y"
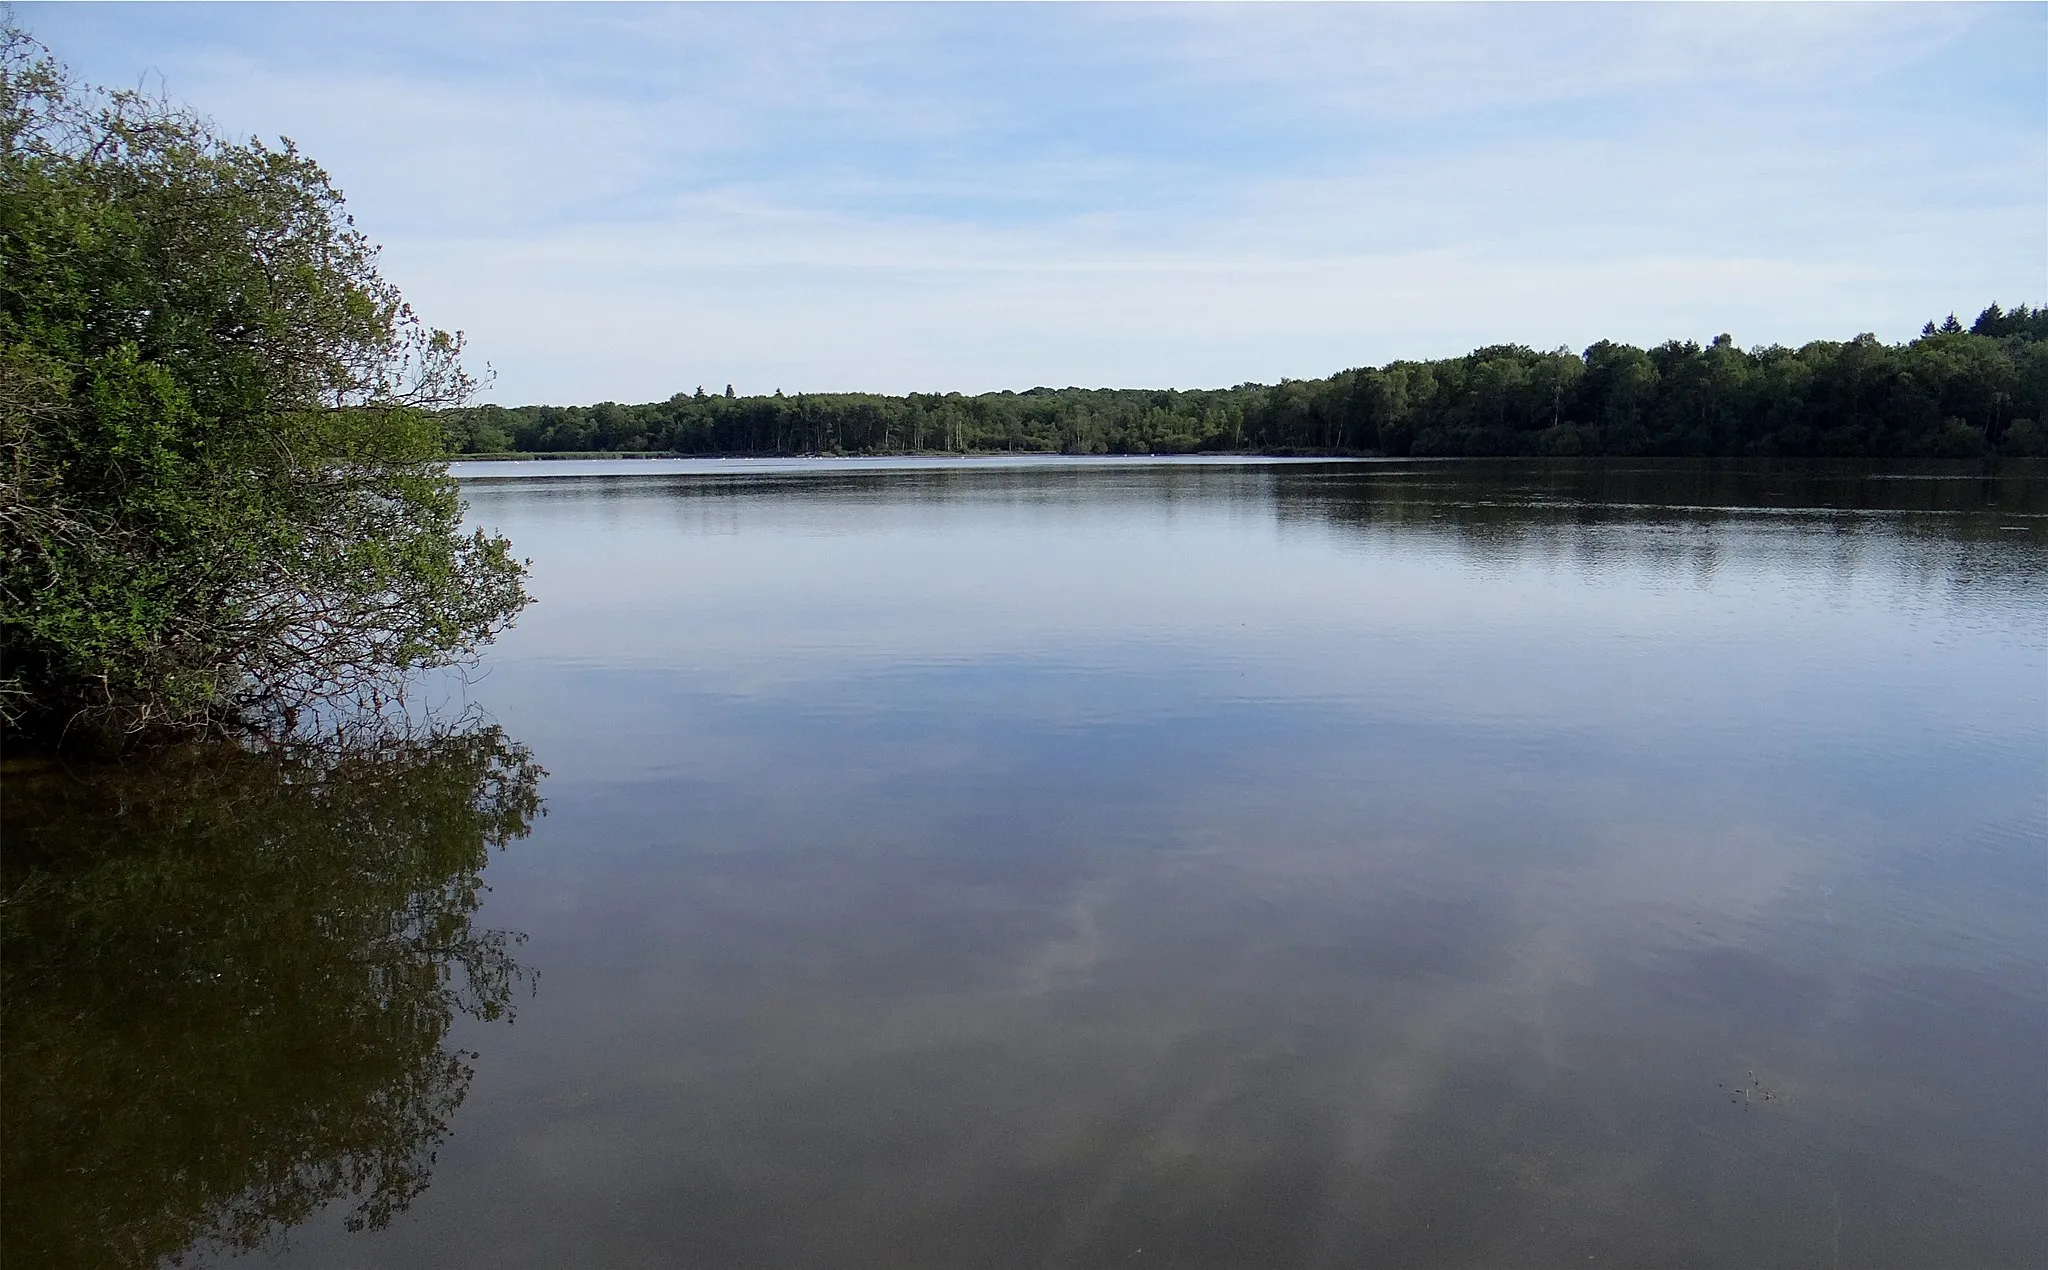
{"x": 1035, "y": 862}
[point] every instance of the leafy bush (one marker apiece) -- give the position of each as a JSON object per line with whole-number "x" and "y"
{"x": 223, "y": 499}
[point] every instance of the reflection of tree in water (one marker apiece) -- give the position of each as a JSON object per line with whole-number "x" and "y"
{"x": 228, "y": 979}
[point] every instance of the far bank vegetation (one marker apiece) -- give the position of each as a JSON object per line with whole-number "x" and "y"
{"x": 1955, "y": 392}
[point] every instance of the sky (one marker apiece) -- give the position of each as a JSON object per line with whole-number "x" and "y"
{"x": 624, "y": 202}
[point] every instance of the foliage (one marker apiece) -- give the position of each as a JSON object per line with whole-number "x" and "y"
{"x": 229, "y": 977}
{"x": 1953, "y": 392}
{"x": 222, "y": 495}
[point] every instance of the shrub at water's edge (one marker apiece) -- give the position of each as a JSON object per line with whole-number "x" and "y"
{"x": 1955, "y": 392}
{"x": 224, "y": 497}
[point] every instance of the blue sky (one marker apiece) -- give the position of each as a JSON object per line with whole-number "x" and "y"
{"x": 621, "y": 202}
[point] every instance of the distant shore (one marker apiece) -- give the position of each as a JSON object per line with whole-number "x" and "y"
{"x": 1956, "y": 392}
{"x": 513, "y": 456}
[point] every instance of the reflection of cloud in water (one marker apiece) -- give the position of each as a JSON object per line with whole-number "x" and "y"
{"x": 1254, "y": 873}
{"x": 1211, "y": 1018}
{"x": 1272, "y": 588}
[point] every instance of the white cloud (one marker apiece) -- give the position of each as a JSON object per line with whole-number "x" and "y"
{"x": 617, "y": 321}
{"x": 1299, "y": 275}
{"x": 617, "y": 203}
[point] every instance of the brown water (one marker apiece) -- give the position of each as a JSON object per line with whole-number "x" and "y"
{"x": 1095, "y": 864}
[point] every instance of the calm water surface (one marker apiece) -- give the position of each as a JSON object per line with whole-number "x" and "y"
{"x": 1091, "y": 864}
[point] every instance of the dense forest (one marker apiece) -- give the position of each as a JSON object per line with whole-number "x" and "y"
{"x": 1954, "y": 392}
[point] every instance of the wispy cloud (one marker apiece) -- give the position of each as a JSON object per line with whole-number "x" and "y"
{"x": 624, "y": 201}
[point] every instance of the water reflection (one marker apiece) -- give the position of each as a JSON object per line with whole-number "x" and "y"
{"x": 1406, "y": 864}
{"x": 1423, "y": 864}
{"x": 229, "y": 980}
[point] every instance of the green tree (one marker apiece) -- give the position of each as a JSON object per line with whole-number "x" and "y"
{"x": 223, "y": 499}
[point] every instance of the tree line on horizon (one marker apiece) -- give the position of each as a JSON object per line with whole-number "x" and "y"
{"x": 1954, "y": 392}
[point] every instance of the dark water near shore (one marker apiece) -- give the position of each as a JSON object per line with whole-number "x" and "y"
{"x": 1054, "y": 864}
